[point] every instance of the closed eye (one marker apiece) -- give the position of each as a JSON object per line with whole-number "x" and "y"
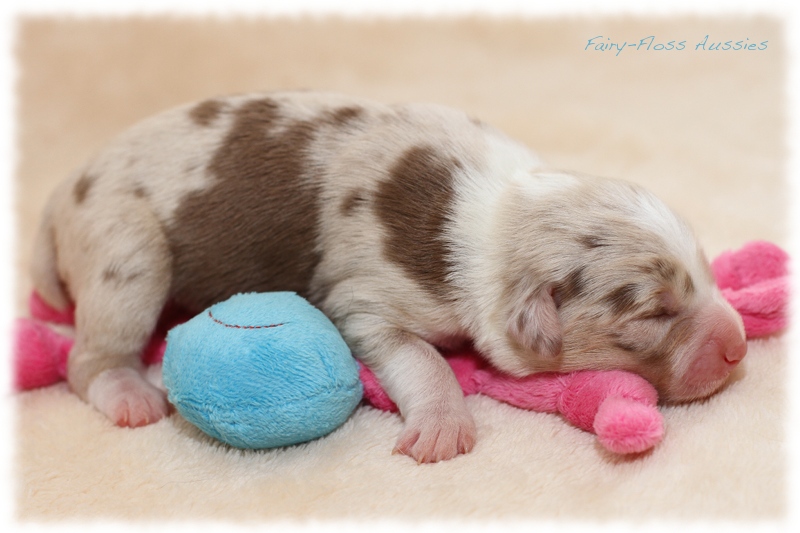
{"x": 662, "y": 313}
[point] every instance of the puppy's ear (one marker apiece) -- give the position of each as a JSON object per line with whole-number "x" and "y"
{"x": 534, "y": 323}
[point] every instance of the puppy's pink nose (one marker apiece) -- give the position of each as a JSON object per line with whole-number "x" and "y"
{"x": 727, "y": 340}
{"x": 734, "y": 350}
{"x": 728, "y": 344}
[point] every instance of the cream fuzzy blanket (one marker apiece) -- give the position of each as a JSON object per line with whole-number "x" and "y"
{"x": 703, "y": 129}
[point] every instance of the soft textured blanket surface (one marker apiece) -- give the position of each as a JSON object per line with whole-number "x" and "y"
{"x": 704, "y": 129}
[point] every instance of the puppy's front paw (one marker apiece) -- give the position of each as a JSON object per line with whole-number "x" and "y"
{"x": 432, "y": 438}
{"x": 126, "y": 398}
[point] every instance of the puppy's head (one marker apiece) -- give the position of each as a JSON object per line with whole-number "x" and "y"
{"x": 602, "y": 275}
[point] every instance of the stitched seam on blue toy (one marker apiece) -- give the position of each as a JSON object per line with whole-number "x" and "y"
{"x": 221, "y": 323}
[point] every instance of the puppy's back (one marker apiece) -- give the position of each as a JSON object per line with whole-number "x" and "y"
{"x": 256, "y": 192}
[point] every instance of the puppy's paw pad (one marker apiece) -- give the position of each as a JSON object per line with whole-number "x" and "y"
{"x": 434, "y": 439}
{"x": 126, "y": 398}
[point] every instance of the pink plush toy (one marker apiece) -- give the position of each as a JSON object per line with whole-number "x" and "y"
{"x": 755, "y": 280}
{"x": 620, "y": 407}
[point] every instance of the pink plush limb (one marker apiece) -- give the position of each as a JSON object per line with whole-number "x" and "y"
{"x": 626, "y": 426}
{"x": 754, "y": 262}
{"x": 40, "y": 355}
{"x": 618, "y": 406}
{"x": 763, "y": 307}
{"x": 587, "y": 390}
{"x": 755, "y": 281}
{"x": 577, "y": 395}
{"x": 538, "y": 392}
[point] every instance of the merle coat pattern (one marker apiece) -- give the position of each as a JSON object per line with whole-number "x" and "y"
{"x": 410, "y": 226}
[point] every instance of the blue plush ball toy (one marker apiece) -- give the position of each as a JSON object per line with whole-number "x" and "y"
{"x": 261, "y": 370}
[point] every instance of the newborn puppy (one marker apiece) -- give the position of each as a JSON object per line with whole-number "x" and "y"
{"x": 410, "y": 226}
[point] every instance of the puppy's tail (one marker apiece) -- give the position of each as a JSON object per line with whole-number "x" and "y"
{"x": 44, "y": 264}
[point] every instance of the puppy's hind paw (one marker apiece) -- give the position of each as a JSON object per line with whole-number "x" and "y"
{"x": 126, "y": 398}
